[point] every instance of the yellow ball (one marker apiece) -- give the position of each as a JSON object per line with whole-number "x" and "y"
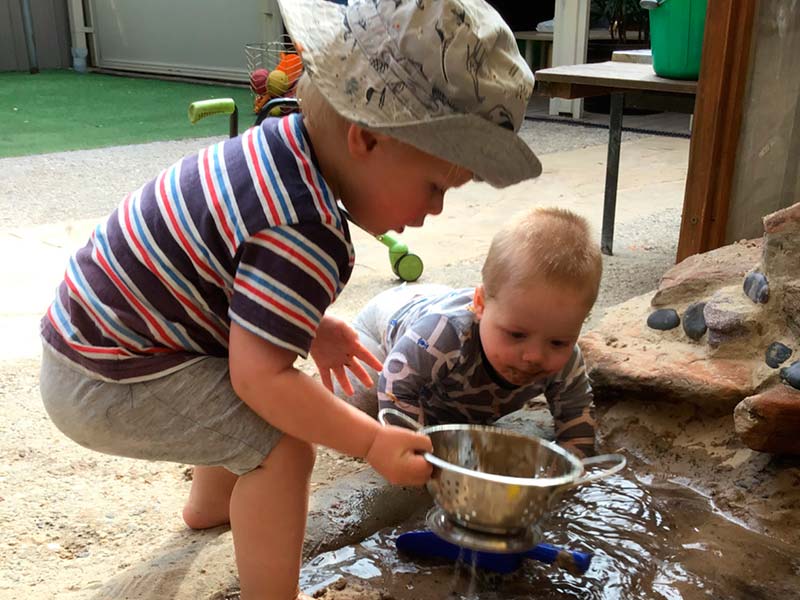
{"x": 277, "y": 83}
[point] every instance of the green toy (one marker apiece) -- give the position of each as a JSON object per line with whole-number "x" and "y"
{"x": 405, "y": 265}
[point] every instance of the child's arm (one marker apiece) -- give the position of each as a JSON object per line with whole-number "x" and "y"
{"x": 264, "y": 377}
{"x": 571, "y": 402}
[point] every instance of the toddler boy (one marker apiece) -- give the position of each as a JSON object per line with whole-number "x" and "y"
{"x": 174, "y": 333}
{"x": 475, "y": 354}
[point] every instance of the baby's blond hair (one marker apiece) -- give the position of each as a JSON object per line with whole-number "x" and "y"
{"x": 551, "y": 245}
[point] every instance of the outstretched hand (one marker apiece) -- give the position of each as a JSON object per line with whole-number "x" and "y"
{"x": 336, "y": 348}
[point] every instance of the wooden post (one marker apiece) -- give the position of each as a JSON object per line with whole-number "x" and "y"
{"x": 570, "y": 44}
{"x": 717, "y": 120}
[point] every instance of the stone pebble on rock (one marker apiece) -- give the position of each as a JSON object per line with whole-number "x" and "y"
{"x": 791, "y": 374}
{"x": 756, "y": 287}
{"x": 693, "y": 321}
{"x": 663, "y": 319}
{"x": 776, "y": 354}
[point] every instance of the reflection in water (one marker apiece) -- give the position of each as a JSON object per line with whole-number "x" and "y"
{"x": 651, "y": 541}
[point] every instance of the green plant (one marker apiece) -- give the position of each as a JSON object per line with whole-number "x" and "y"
{"x": 623, "y": 17}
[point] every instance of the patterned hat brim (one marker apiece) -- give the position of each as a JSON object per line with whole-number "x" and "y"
{"x": 492, "y": 153}
{"x": 495, "y": 155}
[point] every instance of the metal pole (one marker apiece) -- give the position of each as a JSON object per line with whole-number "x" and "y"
{"x": 30, "y": 42}
{"x": 612, "y": 172}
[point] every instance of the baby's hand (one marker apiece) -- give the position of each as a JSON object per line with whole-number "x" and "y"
{"x": 394, "y": 455}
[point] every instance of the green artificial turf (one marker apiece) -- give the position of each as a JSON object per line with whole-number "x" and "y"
{"x": 54, "y": 111}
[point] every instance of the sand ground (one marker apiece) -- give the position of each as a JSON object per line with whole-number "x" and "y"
{"x": 72, "y": 518}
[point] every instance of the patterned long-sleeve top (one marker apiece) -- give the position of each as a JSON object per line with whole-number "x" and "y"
{"x": 246, "y": 230}
{"x": 436, "y": 372}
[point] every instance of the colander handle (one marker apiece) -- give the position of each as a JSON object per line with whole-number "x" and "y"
{"x": 619, "y": 460}
{"x": 404, "y": 418}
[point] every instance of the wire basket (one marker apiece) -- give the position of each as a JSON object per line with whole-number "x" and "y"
{"x": 274, "y": 69}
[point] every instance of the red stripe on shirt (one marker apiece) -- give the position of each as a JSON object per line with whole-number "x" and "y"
{"x": 270, "y": 300}
{"x": 260, "y": 176}
{"x": 306, "y": 169}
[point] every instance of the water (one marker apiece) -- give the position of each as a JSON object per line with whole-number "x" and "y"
{"x": 651, "y": 541}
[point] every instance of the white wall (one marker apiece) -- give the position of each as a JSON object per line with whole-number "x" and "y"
{"x": 196, "y": 38}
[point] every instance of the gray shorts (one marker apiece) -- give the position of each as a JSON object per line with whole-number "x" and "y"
{"x": 191, "y": 416}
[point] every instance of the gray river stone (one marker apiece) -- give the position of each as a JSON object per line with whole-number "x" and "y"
{"x": 663, "y": 319}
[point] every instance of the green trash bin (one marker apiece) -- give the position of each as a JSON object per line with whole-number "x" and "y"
{"x": 676, "y": 36}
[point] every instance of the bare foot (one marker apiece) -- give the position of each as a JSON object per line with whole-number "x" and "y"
{"x": 198, "y": 519}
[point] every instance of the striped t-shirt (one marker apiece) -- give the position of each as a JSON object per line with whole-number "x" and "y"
{"x": 246, "y": 230}
{"x": 436, "y": 372}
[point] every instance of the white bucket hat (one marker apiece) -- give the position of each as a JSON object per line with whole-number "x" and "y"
{"x": 445, "y": 76}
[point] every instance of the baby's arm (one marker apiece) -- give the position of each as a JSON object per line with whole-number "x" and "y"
{"x": 571, "y": 402}
{"x": 264, "y": 377}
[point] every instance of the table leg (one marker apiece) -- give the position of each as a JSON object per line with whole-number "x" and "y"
{"x": 529, "y": 53}
{"x": 612, "y": 172}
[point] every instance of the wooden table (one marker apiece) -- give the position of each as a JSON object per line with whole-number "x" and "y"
{"x": 628, "y": 84}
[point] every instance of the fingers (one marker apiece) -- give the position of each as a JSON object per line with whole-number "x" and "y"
{"x": 421, "y": 442}
{"x": 361, "y": 374}
{"x": 343, "y": 380}
{"x": 367, "y": 357}
{"x": 418, "y": 470}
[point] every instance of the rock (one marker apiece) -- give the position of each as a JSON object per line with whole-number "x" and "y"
{"x": 785, "y": 220}
{"x": 769, "y": 422}
{"x": 699, "y": 275}
{"x": 791, "y": 374}
{"x": 756, "y": 287}
{"x": 730, "y": 316}
{"x": 790, "y": 304}
{"x": 782, "y": 244}
{"x": 663, "y": 319}
{"x": 776, "y": 354}
{"x": 693, "y": 321}
{"x": 625, "y": 359}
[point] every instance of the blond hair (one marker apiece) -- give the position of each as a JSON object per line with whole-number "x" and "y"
{"x": 317, "y": 109}
{"x": 553, "y": 245}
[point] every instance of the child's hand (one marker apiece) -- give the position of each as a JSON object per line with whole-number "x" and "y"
{"x": 394, "y": 455}
{"x": 335, "y": 347}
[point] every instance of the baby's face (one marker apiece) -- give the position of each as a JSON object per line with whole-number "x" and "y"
{"x": 399, "y": 186}
{"x": 528, "y": 333}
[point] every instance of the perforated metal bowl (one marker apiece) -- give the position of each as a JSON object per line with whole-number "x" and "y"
{"x": 496, "y": 481}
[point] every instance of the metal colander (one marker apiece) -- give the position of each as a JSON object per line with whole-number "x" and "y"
{"x": 496, "y": 481}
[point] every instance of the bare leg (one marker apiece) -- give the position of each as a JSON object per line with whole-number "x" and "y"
{"x": 209, "y": 499}
{"x": 268, "y": 519}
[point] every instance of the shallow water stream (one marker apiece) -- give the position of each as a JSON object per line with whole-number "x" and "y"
{"x": 650, "y": 540}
